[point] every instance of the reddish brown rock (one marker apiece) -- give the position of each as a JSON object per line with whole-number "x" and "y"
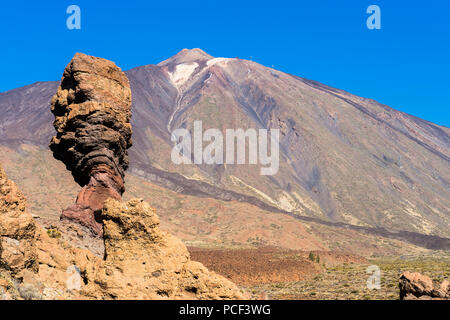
{"x": 414, "y": 285}
{"x": 92, "y": 111}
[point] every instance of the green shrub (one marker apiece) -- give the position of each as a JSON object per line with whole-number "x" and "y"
{"x": 53, "y": 233}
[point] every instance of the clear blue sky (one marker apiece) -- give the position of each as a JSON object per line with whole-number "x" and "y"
{"x": 404, "y": 65}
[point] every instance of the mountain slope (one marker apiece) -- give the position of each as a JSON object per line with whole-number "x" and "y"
{"x": 342, "y": 158}
{"x": 204, "y": 222}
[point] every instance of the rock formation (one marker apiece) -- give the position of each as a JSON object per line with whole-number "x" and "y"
{"x": 143, "y": 262}
{"x": 92, "y": 110}
{"x": 414, "y": 285}
{"x": 17, "y": 229}
{"x": 140, "y": 262}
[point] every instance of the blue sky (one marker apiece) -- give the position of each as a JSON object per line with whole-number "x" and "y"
{"x": 404, "y": 65}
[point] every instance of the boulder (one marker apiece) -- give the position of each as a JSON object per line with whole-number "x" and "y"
{"x": 414, "y": 285}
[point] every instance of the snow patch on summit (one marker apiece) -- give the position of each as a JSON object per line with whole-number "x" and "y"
{"x": 182, "y": 73}
{"x": 214, "y": 61}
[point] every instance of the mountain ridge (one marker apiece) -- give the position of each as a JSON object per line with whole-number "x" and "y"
{"x": 329, "y": 138}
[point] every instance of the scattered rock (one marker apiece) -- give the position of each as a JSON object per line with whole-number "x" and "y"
{"x": 4, "y": 284}
{"x": 414, "y": 285}
{"x": 29, "y": 292}
{"x": 75, "y": 234}
{"x": 445, "y": 287}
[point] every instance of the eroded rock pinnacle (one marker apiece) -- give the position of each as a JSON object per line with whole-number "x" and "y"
{"x": 92, "y": 109}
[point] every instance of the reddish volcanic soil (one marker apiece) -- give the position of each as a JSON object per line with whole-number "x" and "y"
{"x": 266, "y": 264}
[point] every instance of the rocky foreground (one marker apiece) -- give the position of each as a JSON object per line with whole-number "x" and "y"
{"x": 140, "y": 261}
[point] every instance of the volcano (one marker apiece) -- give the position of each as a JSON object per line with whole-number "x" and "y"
{"x": 345, "y": 161}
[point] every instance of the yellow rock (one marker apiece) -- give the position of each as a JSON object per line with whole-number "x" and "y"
{"x": 141, "y": 261}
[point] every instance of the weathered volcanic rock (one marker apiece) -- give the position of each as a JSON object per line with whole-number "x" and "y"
{"x": 17, "y": 228}
{"x": 140, "y": 261}
{"x": 144, "y": 262}
{"x": 92, "y": 110}
{"x": 414, "y": 285}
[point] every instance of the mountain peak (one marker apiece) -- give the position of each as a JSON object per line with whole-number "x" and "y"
{"x": 187, "y": 55}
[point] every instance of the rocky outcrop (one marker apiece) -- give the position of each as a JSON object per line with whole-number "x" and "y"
{"x": 32, "y": 264}
{"x": 17, "y": 229}
{"x": 144, "y": 262}
{"x": 92, "y": 110}
{"x": 414, "y": 285}
{"x": 140, "y": 261}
